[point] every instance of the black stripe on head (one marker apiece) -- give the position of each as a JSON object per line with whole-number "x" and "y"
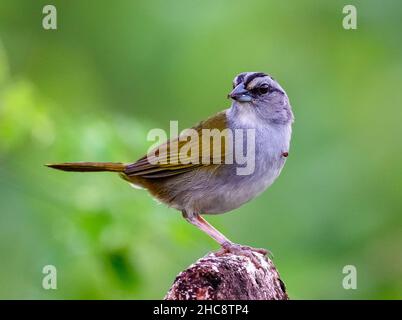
{"x": 254, "y": 75}
{"x": 239, "y": 79}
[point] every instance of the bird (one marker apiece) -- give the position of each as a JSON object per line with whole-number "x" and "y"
{"x": 211, "y": 182}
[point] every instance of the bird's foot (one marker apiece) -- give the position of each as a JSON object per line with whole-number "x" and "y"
{"x": 246, "y": 251}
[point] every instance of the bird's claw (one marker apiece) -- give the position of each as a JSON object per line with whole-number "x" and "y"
{"x": 245, "y": 251}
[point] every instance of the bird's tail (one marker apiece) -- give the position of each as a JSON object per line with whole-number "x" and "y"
{"x": 89, "y": 166}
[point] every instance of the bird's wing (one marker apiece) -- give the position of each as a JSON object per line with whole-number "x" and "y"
{"x": 167, "y": 159}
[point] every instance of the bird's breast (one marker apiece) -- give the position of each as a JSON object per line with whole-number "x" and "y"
{"x": 234, "y": 189}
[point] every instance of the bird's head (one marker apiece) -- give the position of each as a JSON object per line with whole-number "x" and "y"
{"x": 257, "y": 92}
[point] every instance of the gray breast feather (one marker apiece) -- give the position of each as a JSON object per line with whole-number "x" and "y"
{"x": 222, "y": 190}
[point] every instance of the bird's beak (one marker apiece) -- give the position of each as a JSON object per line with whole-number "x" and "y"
{"x": 240, "y": 93}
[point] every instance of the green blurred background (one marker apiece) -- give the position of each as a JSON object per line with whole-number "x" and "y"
{"x": 93, "y": 88}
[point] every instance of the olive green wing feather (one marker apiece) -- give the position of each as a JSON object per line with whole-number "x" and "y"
{"x": 186, "y": 152}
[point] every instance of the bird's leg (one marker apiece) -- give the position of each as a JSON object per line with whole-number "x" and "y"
{"x": 203, "y": 225}
{"x": 225, "y": 243}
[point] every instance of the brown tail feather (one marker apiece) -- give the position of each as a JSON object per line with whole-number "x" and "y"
{"x": 89, "y": 166}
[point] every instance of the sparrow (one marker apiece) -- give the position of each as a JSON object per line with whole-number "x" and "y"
{"x": 210, "y": 182}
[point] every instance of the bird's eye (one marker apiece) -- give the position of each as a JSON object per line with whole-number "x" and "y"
{"x": 263, "y": 89}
